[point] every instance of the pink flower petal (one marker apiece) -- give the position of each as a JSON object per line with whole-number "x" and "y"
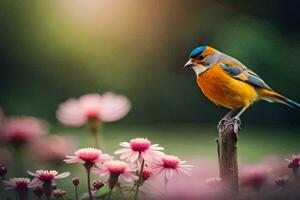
{"x": 62, "y": 175}
{"x": 70, "y": 113}
{"x": 113, "y": 107}
{"x": 125, "y": 144}
{"x": 73, "y": 159}
{"x": 32, "y": 174}
{"x": 128, "y": 177}
{"x": 156, "y": 147}
{"x": 134, "y": 157}
{"x": 127, "y": 155}
{"x": 121, "y": 151}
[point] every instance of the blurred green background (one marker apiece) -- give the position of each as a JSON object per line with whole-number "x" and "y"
{"x": 52, "y": 50}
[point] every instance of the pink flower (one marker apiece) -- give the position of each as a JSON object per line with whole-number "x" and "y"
{"x": 48, "y": 175}
{"x": 254, "y": 176}
{"x": 116, "y": 169}
{"x": 147, "y": 173}
{"x": 23, "y": 130}
{"x": 107, "y": 108}
{"x": 89, "y": 156}
{"x": 140, "y": 148}
{"x": 169, "y": 165}
{"x": 21, "y": 183}
{"x": 52, "y": 148}
{"x": 294, "y": 163}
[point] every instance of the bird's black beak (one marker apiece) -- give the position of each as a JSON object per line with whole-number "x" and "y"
{"x": 188, "y": 64}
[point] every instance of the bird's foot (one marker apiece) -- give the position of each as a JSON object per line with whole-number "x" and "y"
{"x": 221, "y": 123}
{"x": 236, "y": 123}
{"x": 225, "y": 123}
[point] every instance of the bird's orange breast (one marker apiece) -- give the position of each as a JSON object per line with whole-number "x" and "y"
{"x": 224, "y": 90}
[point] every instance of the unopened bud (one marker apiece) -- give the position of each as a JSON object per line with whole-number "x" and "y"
{"x": 97, "y": 185}
{"x": 75, "y": 181}
{"x": 147, "y": 173}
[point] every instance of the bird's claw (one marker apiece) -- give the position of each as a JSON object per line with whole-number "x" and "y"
{"x": 224, "y": 120}
{"x": 225, "y": 123}
{"x": 235, "y": 122}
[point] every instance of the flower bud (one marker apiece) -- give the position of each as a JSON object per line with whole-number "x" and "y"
{"x": 147, "y": 173}
{"x": 97, "y": 185}
{"x": 75, "y": 181}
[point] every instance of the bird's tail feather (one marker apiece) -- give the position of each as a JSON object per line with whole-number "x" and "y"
{"x": 272, "y": 96}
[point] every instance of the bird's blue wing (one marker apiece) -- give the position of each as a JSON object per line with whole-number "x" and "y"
{"x": 242, "y": 73}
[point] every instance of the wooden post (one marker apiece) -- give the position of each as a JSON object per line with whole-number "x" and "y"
{"x": 227, "y": 153}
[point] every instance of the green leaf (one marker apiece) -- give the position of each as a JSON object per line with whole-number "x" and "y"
{"x": 104, "y": 192}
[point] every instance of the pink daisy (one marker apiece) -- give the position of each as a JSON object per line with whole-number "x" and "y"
{"x": 117, "y": 169}
{"x": 89, "y": 156}
{"x": 48, "y": 175}
{"x": 21, "y": 183}
{"x": 23, "y": 130}
{"x": 140, "y": 148}
{"x": 107, "y": 108}
{"x": 169, "y": 165}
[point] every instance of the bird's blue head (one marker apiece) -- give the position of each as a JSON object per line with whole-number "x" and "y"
{"x": 197, "y": 51}
{"x": 199, "y": 56}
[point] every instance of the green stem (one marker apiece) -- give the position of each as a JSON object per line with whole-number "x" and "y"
{"x": 94, "y": 126}
{"x": 76, "y": 193}
{"x": 96, "y": 138}
{"x": 109, "y": 195}
{"x": 20, "y": 159}
{"x": 88, "y": 169}
{"x": 139, "y": 181}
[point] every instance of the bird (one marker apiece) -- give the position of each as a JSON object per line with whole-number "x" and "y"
{"x": 230, "y": 84}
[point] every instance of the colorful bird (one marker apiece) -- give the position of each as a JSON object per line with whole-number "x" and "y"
{"x": 228, "y": 83}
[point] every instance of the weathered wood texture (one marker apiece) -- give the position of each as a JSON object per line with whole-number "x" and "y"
{"x": 227, "y": 154}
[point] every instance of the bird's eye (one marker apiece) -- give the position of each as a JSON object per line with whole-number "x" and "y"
{"x": 201, "y": 57}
